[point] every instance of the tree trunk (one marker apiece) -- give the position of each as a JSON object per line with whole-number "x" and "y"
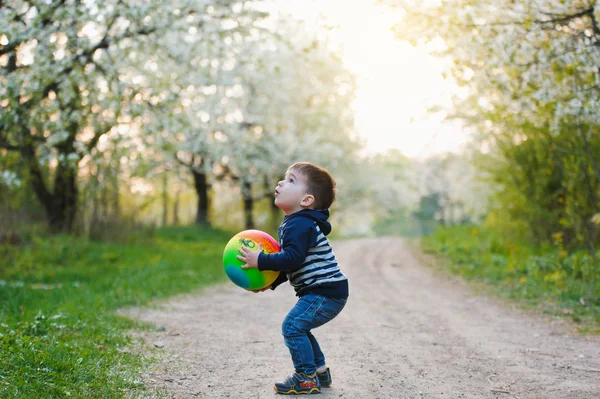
{"x": 116, "y": 201}
{"x": 61, "y": 206}
{"x": 95, "y": 217}
{"x": 275, "y": 212}
{"x": 176, "y": 207}
{"x": 275, "y": 215}
{"x": 104, "y": 198}
{"x": 202, "y": 187}
{"x": 165, "y": 199}
{"x": 248, "y": 204}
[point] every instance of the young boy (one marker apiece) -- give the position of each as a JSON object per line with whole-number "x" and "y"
{"x": 308, "y": 262}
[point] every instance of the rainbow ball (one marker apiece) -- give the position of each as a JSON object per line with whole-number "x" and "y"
{"x": 250, "y": 279}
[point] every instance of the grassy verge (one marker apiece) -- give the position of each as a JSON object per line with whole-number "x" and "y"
{"x": 550, "y": 278}
{"x": 59, "y": 336}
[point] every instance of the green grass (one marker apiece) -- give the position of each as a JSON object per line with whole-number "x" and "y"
{"x": 548, "y": 278}
{"x": 59, "y": 335}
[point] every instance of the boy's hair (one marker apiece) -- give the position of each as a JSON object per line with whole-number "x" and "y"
{"x": 319, "y": 182}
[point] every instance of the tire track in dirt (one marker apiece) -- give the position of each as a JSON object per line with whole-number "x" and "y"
{"x": 405, "y": 333}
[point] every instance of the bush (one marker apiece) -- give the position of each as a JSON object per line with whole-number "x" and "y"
{"x": 549, "y": 277}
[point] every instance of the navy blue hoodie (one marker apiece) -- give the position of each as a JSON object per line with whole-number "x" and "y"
{"x": 306, "y": 258}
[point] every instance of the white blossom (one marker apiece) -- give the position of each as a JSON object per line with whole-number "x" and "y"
{"x": 10, "y": 179}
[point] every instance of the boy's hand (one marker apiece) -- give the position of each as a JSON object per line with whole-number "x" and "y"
{"x": 261, "y": 290}
{"x": 250, "y": 257}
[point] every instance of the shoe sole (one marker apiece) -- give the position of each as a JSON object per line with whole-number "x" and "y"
{"x": 294, "y": 392}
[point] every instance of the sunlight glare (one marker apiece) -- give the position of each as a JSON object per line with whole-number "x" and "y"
{"x": 396, "y": 82}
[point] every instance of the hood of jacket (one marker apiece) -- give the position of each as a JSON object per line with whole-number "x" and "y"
{"x": 320, "y": 216}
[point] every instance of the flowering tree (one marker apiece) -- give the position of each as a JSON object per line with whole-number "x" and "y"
{"x": 265, "y": 98}
{"x": 189, "y": 89}
{"x": 295, "y": 105}
{"x": 72, "y": 72}
{"x": 449, "y": 181}
{"x": 531, "y": 70}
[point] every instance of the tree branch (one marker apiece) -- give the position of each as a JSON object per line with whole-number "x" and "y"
{"x": 5, "y": 144}
{"x": 88, "y": 54}
{"x": 37, "y": 177}
{"x": 46, "y": 20}
{"x": 595, "y": 27}
{"x": 183, "y": 163}
{"x": 561, "y": 19}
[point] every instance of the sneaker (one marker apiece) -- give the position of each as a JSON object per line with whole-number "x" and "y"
{"x": 324, "y": 378}
{"x": 299, "y": 384}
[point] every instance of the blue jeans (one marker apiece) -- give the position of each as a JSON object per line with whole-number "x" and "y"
{"x": 311, "y": 311}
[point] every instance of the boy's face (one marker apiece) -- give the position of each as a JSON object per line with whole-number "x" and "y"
{"x": 291, "y": 193}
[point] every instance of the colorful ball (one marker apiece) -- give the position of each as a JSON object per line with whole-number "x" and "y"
{"x": 250, "y": 279}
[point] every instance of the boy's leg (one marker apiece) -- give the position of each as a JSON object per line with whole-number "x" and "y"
{"x": 330, "y": 309}
{"x": 294, "y": 329}
{"x": 311, "y": 311}
{"x": 324, "y": 376}
{"x": 317, "y": 352}
{"x": 299, "y": 321}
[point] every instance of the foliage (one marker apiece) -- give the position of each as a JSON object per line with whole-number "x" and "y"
{"x": 74, "y": 73}
{"x": 255, "y": 103}
{"x": 558, "y": 281}
{"x": 531, "y": 90}
{"x": 413, "y": 196}
{"x": 59, "y": 336}
{"x": 403, "y": 223}
{"x": 99, "y": 101}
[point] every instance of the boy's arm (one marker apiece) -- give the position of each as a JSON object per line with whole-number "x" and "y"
{"x": 294, "y": 248}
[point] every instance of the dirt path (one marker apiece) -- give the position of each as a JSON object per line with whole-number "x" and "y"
{"x": 405, "y": 333}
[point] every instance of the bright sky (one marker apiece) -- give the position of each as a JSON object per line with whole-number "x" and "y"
{"x": 396, "y": 82}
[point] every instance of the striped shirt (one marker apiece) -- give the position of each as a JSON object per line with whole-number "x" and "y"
{"x": 307, "y": 259}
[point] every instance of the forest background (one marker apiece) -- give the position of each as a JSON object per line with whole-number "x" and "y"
{"x": 132, "y": 133}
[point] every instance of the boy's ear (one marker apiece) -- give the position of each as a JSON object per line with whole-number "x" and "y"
{"x": 307, "y": 201}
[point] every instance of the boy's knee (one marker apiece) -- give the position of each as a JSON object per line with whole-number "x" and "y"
{"x": 290, "y": 328}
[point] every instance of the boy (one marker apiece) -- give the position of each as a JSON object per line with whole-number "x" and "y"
{"x": 308, "y": 262}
